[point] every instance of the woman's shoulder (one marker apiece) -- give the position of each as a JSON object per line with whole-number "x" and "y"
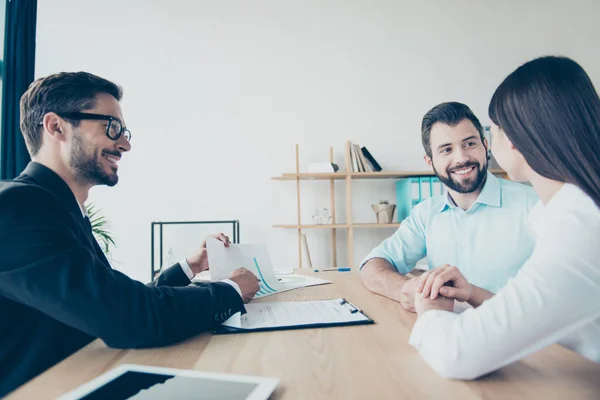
{"x": 570, "y": 201}
{"x": 571, "y": 218}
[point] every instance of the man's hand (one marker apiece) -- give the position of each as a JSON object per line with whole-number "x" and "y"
{"x": 247, "y": 282}
{"x": 446, "y": 280}
{"x": 381, "y": 277}
{"x": 407, "y": 295}
{"x": 199, "y": 261}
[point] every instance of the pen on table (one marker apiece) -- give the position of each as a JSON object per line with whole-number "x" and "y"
{"x": 346, "y": 269}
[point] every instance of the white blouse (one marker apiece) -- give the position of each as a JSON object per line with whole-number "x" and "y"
{"x": 555, "y": 298}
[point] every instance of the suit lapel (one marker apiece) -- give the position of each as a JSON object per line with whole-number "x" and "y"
{"x": 87, "y": 227}
{"x": 48, "y": 179}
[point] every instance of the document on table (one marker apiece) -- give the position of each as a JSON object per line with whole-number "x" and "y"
{"x": 224, "y": 260}
{"x": 295, "y": 315}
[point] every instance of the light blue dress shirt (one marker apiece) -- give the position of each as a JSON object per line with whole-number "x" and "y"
{"x": 488, "y": 243}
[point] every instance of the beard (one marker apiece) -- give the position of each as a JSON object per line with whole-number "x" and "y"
{"x": 90, "y": 169}
{"x": 468, "y": 185}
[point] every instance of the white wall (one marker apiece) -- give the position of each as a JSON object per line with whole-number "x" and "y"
{"x": 217, "y": 93}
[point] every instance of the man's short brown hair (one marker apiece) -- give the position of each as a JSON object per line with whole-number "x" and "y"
{"x": 451, "y": 113}
{"x": 62, "y": 92}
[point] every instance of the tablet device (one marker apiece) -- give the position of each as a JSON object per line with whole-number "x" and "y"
{"x": 131, "y": 381}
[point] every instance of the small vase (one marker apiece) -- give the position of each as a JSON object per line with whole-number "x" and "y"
{"x": 384, "y": 212}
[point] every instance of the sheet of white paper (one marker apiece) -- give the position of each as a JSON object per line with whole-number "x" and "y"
{"x": 281, "y": 314}
{"x": 254, "y": 257}
{"x": 290, "y": 282}
{"x": 286, "y": 282}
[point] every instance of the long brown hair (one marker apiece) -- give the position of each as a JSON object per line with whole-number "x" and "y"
{"x": 550, "y": 111}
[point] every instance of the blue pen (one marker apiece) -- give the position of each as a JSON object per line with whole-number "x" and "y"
{"x": 345, "y": 269}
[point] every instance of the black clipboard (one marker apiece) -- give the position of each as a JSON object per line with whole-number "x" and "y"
{"x": 224, "y": 330}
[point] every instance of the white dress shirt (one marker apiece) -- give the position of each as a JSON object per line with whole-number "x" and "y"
{"x": 555, "y": 298}
{"x": 190, "y": 274}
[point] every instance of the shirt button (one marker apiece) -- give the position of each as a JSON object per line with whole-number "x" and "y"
{"x": 463, "y": 245}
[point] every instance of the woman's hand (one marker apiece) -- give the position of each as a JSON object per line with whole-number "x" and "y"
{"x": 446, "y": 280}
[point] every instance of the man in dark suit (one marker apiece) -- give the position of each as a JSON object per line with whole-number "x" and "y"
{"x": 57, "y": 290}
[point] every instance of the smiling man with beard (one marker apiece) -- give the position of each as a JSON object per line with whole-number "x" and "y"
{"x": 480, "y": 225}
{"x": 58, "y": 291}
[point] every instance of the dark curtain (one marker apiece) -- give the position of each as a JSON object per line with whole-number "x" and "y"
{"x": 17, "y": 75}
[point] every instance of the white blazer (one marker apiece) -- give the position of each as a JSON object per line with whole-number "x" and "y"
{"x": 555, "y": 298}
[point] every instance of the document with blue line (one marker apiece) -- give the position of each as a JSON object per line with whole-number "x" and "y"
{"x": 295, "y": 315}
{"x": 254, "y": 257}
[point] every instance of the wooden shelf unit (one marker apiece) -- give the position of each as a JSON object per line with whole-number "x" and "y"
{"x": 348, "y": 175}
{"x": 338, "y": 226}
{"x": 360, "y": 175}
{"x": 350, "y": 225}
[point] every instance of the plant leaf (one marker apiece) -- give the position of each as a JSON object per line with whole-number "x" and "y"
{"x": 100, "y": 228}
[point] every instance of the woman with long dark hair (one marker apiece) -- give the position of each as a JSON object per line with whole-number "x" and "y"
{"x": 546, "y": 131}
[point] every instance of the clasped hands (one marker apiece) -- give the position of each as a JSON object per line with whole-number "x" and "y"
{"x": 435, "y": 290}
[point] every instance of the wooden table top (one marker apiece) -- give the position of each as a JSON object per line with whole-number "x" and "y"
{"x": 354, "y": 362}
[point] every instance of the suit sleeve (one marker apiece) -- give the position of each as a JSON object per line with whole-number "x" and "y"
{"x": 44, "y": 265}
{"x": 172, "y": 276}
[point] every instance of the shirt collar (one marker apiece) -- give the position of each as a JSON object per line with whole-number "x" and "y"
{"x": 491, "y": 194}
{"x": 83, "y": 210}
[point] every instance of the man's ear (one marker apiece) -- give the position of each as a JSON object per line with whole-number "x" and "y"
{"x": 428, "y": 160}
{"x": 54, "y": 126}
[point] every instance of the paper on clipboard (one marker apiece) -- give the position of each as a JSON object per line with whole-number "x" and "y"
{"x": 254, "y": 257}
{"x": 298, "y": 313}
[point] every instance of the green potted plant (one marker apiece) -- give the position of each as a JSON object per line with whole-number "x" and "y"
{"x": 100, "y": 228}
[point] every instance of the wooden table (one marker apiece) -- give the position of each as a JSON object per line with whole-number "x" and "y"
{"x": 359, "y": 362}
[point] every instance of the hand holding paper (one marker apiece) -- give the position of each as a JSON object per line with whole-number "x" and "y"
{"x": 247, "y": 283}
{"x": 199, "y": 261}
{"x": 223, "y": 261}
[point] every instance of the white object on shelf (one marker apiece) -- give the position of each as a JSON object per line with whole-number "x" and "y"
{"x": 320, "y": 167}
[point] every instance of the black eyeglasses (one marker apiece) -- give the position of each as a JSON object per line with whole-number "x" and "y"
{"x": 114, "y": 129}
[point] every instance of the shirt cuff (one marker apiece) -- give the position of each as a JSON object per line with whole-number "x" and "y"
{"x": 233, "y": 285}
{"x": 420, "y": 327}
{"x": 363, "y": 262}
{"x": 185, "y": 267}
{"x": 373, "y": 255}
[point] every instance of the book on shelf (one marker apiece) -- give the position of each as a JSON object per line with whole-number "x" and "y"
{"x": 361, "y": 159}
{"x": 353, "y": 160}
{"x": 355, "y": 167}
{"x": 366, "y": 166}
{"x": 370, "y": 159}
{"x": 355, "y": 153}
{"x": 361, "y": 164}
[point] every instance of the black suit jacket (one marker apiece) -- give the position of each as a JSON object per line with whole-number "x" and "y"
{"x": 58, "y": 291}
